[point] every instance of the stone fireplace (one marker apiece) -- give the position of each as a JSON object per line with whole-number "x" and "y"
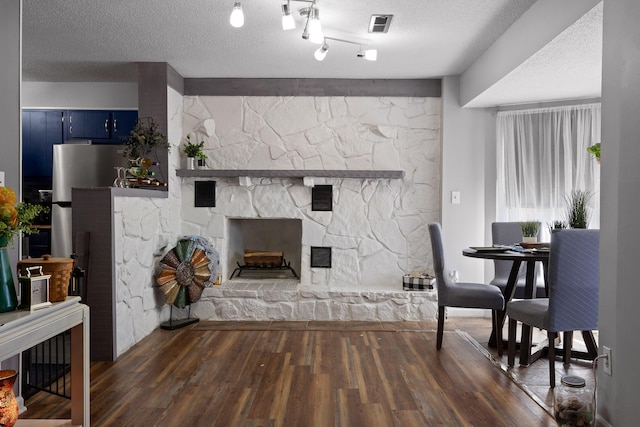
{"x": 267, "y": 154}
{"x": 272, "y": 234}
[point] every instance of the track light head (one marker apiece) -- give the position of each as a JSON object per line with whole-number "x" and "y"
{"x": 368, "y": 54}
{"x": 237, "y": 16}
{"x": 321, "y": 53}
{"x": 288, "y": 23}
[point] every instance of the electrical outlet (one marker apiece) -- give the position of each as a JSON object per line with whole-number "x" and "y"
{"x": 1, "y": 179}
{"x": 606, "y": 367}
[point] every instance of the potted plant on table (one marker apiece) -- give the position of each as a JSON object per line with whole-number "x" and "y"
{"x": 530, "y": 231}
{"x": 193, "y": 150}
{"x": 577, "y": 208}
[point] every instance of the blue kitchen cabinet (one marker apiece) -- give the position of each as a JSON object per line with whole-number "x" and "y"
{"x": 100, "y": 126}
{"x": 121, "y": 124}
{"x": 88, "y": 124}
{"x": 40, "y": 130}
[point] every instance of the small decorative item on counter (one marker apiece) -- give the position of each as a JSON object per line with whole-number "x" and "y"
{"x": 60, "y": 270}
{"x": 8, "y": 402}
{"x": 416, "y": 281}
{"x": 573, "y": 402}
{"x": 34, "y": 289}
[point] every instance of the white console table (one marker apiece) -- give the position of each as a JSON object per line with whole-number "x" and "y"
{"x": 21, "y": 330}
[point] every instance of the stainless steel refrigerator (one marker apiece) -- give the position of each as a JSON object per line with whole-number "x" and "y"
{"x": 77, "y": 165}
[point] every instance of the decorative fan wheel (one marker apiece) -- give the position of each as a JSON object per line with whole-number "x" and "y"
{"x": 185, "y": 269}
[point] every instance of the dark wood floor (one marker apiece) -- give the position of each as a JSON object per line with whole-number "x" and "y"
{"x": 301, "y": 374}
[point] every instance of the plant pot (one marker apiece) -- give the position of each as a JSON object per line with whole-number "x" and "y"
{"x": 191, "y": 163}
{"x": 529, "y": 239}
{"x": 202, "y": 163}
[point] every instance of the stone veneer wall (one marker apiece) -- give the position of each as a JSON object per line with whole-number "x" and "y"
{"x": 378, "y": 228}
{"x": 144, "y": 230}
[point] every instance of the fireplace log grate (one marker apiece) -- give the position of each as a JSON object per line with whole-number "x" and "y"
{"x": 284, "y": 265}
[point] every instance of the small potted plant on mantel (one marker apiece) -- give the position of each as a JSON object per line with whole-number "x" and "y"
{"x": 193, "y": 151}
{"x": 529, "y": 231}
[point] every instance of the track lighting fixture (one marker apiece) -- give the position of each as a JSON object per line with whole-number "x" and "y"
{"x": 312, "y": 28}
{"x": 321, "y": 52}
{"x": 288, "y": 22}
{"x": 237, "y": 16}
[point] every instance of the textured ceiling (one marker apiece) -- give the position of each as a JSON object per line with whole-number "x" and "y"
{"x": 90, "y": 40}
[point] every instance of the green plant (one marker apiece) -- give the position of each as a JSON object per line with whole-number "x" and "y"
{"x": 577, "y": 208}
{"x": 595, "y": 150}
{"x": 16, "y": 218}
{"x": 530, "y": 228}
{"x": 193, "y": 149}
{"x": 144, "y": 137}
{"x": 557, "y": 225}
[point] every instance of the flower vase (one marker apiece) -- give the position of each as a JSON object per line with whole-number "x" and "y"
{"x": 8, "y": 297}
{"x": 8, "y": 403}
{"x": 191, "y": 163}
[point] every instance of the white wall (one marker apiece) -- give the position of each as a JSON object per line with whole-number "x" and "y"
{"x": 464, "y": 163}
{"x": 620, "y": 203}
{"x": 80, "y": 95}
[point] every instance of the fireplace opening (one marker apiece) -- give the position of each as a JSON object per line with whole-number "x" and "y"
{"x": 264, "y": 239}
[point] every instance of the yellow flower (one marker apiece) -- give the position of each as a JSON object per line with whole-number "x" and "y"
{"x": 18, "y": 218}
{"x": 8, "y": 196}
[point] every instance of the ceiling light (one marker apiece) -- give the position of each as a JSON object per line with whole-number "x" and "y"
{"x": 237, "y": 16}
{"x": 368, "y": 54}
{"x": 288, "y": 22}
{"x": 321, "y": 52}
{"x": 315, "y": 27}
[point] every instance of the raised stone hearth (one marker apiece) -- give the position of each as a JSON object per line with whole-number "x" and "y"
{"x": 282, "y": 299}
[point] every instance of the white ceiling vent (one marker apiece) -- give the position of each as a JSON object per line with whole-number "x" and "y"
{"x": 379, "y": 23}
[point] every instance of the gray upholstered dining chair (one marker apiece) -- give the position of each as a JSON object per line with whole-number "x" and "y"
{"x": 573, "y": 294}
{"x": 466, "y": 295}
{"x": 508, "y": 233}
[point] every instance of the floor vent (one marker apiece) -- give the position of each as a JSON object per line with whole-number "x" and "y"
{"x": 379, "y": 23}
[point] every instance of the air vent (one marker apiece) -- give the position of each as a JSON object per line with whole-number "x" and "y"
{"x": 379, "y": 23}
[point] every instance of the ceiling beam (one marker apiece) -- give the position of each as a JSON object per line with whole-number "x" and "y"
{"x": 538, "y": 26}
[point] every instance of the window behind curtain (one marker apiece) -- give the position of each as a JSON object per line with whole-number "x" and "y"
{"x": 542, "y": 157}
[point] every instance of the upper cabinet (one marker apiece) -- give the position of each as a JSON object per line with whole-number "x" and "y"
{"x": 100, "y": 126}
{"x": 40, "y": 130}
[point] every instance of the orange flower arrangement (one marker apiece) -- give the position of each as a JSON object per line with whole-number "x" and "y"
{"x": 16, "y": 218}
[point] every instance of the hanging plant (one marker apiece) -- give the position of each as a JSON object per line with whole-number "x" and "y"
{"x": 595, "y": 150}
{"x": 144, "y": 138}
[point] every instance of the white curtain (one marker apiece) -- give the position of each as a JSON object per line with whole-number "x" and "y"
{"x": 542, "y": 157}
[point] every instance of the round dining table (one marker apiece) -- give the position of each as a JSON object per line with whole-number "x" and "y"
{"x": 529, "y": 257}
